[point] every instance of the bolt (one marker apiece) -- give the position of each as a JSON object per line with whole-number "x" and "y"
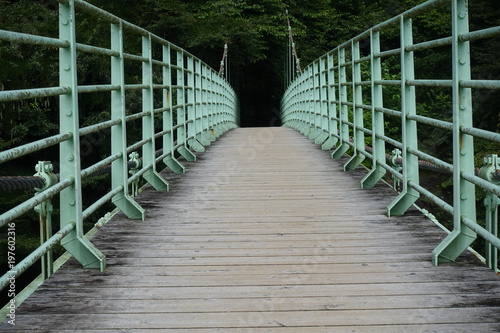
{"x": 71, "y": 158}
{"x": 462, "y": 61}
{"x": 463, "y": 196}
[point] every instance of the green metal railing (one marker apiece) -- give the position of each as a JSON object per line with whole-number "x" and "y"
{"x": 186, "y": 105}
{"x": 338, "y": 101}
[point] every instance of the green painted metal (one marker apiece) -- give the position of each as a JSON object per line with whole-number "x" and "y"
{"x": 410, "y": 171}
{"x": 343, "y": 109}
{"x": 491, "y": 164}
{"x": 464, "y": 194}
{"x": 359, "y": 136}
{"x": 119, "y": 172}
{"x": 346, "y": 129}
{"x": 377, "y": 171}
{"x": 181, "y": 111}
{"x": 148, "y": 122}
{"x": 70, "y": 161}
{"x": 168, "y": 125}
{"x": 331, "y": 106}
{"x": 191, "y": 113}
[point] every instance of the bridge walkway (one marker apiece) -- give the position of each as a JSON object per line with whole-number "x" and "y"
{"x": 265, "y": 233}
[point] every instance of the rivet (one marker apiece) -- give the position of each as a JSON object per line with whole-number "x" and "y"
{"x": 65, "y": 22}
{"x": 462, "y": 106}
{"x": 463, "y": 152}
{"x": 72, "y": 203}
{"x": 67, "y": 67}
{"x": 69, "y": 113}
{"x": 71, "y": 158}
{"x": 463, "y": 196}
{"x": 462, "y": 15}
{"x": 462, "y": 61}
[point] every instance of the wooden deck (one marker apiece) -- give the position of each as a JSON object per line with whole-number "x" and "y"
{"x": 265, "y": 233}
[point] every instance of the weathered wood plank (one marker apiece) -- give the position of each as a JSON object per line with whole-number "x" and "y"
{"x": 266, "y": 233}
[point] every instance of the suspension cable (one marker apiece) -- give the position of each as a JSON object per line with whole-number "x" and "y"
{"x": 292, "y": 43}
{"x": 223, "y": 62}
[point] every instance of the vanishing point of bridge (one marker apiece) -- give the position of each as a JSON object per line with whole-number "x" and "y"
{"x": 266, "y": 232}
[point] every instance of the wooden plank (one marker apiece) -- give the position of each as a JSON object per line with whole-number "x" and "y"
{"x": 265, "y": 233}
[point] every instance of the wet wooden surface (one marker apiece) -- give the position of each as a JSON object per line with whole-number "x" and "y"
{"x": 265, "y": 233}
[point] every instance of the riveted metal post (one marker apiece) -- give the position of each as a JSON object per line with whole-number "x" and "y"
{"x": 45, "y": 170}
{"x": 464, "y": 196}
{"x": 377, "y": 172}
{"x": 357, "y": 96}
{"x": 168, "y": 125}
{"x": 191, "y": 108}
{"x": 119, "y": 168}
{"x": 70, "y": 168}
{"x": 315, "y": 102}
{"x": 181, "y": 111}
{"x": 332, "y": 106}
{"x": 201, "y": 104}
{"x": 344, "y": 113}
{"x": 408, "y": 195}
{"x": 322, "y": 102}
{"x": 148, "y": 122}
{"x": 207, "y": 104}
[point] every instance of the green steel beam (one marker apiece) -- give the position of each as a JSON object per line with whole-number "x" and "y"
{"x": 359, "y": 135}
{"x": 464, "y": 196}
{"x": 343, "y": 110}
{"x": 377, "y": 172}
{"x": 71, "y": 197}
{"x": 148, "y": 121}
{"x": 408, "y": 195}
{"x": 119, "y": 169}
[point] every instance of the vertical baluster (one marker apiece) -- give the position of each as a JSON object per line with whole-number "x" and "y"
{"x": 70, "y": 167}
{"x": 181, "y": 110}
{"x": 191, "y": 108}
{"x": 119, "y": 168}
{"x": 148, "y": 122}
{"x": 344, "y": 127}
{"x": 332, "y": 106}
{"x": 464, "y": 196}
{"x": 357, "y": 99}
{"x": 168, "y": 124}
{"x": 408, "y": 195}
{"x": 377, "y": 172}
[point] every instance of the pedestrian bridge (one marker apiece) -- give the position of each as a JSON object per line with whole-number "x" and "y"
{"x": 308, "y": 227}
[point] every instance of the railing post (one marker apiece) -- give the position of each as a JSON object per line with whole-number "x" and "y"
{"x": 322, "y": 102}
{"x": 168, "y": 125}
{"x": 408, "y": 195}
{"x": 464, "y": 196}
{"x": 201, "y": 135}
{"x": 377, "y": 172}
{"x": 207, "y": 104}
{"x": 315, "y": 102}
{"x": 332, "y": 106}
{"x": 148, "y": 122}
{"x": 344, "y": 127}
{"x": 119, "y": 169}
{"x": 191, "y": 108}
{"x": 181, "y": 110}
{"x": 357, "y": 99}
{"x": 71, "y": 197}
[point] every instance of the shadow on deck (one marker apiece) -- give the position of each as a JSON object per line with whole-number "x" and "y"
{"x": 266, "y": 233}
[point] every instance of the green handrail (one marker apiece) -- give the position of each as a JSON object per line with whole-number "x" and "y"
{"x": 327, "y": 104}
{"x": 198, "y": 105}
